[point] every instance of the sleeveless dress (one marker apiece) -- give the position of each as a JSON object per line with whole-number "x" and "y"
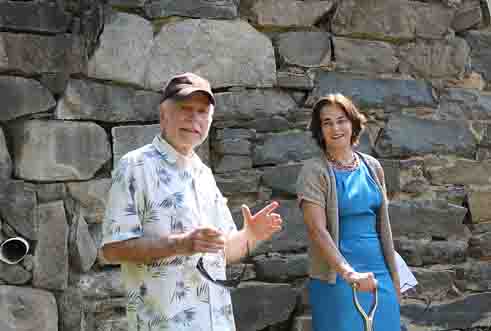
{"x": 332, "y": 305}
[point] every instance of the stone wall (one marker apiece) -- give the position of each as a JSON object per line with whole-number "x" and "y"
{"x": 79, "y": 84}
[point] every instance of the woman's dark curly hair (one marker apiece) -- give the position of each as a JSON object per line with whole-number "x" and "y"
{"x": 357, "y": 119}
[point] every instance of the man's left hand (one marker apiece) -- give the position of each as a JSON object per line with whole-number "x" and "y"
{"x": 264, "y": 223}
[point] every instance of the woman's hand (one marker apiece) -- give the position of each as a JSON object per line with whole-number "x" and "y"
{"x": 364, "y": 281}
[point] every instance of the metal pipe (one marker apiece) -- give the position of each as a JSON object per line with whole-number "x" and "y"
{"x": 13, "y": 250}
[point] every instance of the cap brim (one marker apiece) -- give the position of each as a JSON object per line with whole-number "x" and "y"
{"x": 186, "y": 92}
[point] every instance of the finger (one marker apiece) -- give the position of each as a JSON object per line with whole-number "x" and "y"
{"x": 207, "y": 247}
{"x": 276, "y": 221}
{"x": 211, "y": 232}
{"x": 269, "y": 208}
{"x": 246, "y": 213}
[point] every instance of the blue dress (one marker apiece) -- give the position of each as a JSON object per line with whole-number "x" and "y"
{"x": 332, "y": 304}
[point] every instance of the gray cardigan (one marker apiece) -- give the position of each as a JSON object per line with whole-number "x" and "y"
{"x": 316, "y": 183}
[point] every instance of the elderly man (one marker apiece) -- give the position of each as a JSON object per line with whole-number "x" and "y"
{"x": 165, "y": 212}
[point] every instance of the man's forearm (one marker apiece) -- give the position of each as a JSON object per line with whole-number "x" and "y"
{"x": 144, "y": 249}
{"x": 236, "y": 245}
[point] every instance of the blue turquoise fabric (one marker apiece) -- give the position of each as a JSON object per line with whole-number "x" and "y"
{"x": 332, "y": 304}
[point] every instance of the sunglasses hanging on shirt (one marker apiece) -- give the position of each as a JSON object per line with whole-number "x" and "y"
{"x": 228, "y": 284}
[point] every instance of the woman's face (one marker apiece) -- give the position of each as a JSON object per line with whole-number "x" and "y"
{"x": 336, "y": 127}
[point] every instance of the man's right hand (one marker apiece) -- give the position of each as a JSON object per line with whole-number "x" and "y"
{"x": 202, "y": 240}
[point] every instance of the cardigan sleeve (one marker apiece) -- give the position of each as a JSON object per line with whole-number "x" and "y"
{"x": 311, "y": 183}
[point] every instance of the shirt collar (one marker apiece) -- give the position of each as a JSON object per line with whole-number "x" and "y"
{"x": 174, "y": 157}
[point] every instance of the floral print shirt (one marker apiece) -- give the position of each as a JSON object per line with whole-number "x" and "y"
{"x": 157, "y": 191}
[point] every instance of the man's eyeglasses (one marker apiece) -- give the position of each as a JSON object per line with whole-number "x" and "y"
{"x": 229, "y": 284}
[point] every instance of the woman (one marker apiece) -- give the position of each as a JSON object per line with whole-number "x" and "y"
{"x": 343, "y": 198}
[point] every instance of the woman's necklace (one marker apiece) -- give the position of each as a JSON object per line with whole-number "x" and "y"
{"x": 349, "y": 166}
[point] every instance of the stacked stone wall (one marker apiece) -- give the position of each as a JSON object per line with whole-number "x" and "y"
{"x": 79, "y": 86}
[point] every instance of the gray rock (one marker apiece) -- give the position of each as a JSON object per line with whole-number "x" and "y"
{"x": 231, "y": 54}
{"x": 18, "y": 207}
{"x": 474, "y": 276}
{"x": 462, "y": 313}
{"x": 365, "y": 56}
{"x": 27, "y": 309}
{"x": 446, "y": 170}
{"x": 480, "y": 44}
{"x": 35, "y": 54}
{"x": 94, "y": 101}
{"x": 480, "y": 245}
{"x": 481, "y": 227}
{"x": 373, "y": 93}
{"x": 392, "y": 20}
{"x": 233, "y": 142}
{"x": 434, "y": 282}
{"x": 68, "y": 150}
{"x": 435, "y": 59}
{"x": 82, "y": 249}
{"x": 272, "y": 124}
{"x": 127, "y": 3}
{"x": 5, "y": 159}
{"x": 406, "y": 135}
{"x": 100, "y": 285}
{"x": 282, "y": 178}
{"x": 252, "y": 104}
{"x": 287, "y": 14}
{"x": 486, "y": 141}
{"x": 294, "y": 80}
{"x": 71, "y": 310}
{"x": 467, "y": 18}
{"x": 14, "y": 274}
{"x": 257, "y": 305}
{"x": 281, "y": 267}
{"x": 192, "y": 8}
{"x": 426, "y": 219}
{"x": 246, "y": 181}
{"x": 464, "y": 104}
{"x": 424, "y": 251}
{"x": 124, "y": 48}
{"x": 228, "y": 163}
{"x": 91, "y": 196}
{"x": 392, "y": 174}
{"x": 131, "y": 137}
{"x": 50, "y": 192}
{"x": 305, "y": 48}
{"x": 479, "y": 206}
{"x": 51, "y": 255}
{"x": 283, "y": 147}
{"x": 293, "y": 235}
{"x": 486, "y": 10}
{"x": 35, "y": 16}
{"x": 23, "y": 96}
{"x": 232, "y": 134}
{"x": 55, "y": 83}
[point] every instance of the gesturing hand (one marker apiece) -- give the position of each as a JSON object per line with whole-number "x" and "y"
{"x": 203, "y": 240}
{"x": 264, "y": 223}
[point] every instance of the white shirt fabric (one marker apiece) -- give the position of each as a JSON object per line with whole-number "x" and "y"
{"x": 157, "y": 191}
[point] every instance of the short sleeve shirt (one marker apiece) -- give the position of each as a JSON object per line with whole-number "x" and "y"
{"x": 157, "y": 191}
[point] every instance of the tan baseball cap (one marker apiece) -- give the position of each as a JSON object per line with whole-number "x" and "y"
{"x": 181, "y": 86}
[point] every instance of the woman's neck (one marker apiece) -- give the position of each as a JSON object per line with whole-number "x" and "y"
{"x": 344, "y": 155}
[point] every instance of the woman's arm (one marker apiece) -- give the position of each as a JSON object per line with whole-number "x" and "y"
{"x": 315, "y": 219}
